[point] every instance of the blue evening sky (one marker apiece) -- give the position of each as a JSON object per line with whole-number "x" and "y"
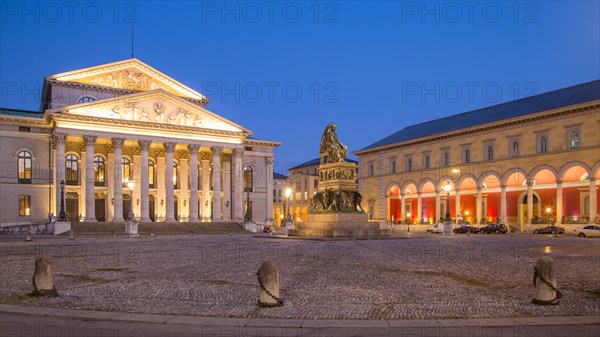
{"x": 286, "y": 69}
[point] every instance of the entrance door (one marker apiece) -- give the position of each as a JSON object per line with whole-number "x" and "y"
{"x": 100, "y": 207}
{"x": 126, "y": 206}
{"x": 72, "y": 206}
{"x": 176, "y": 207}
{"x": 151, "y": 208}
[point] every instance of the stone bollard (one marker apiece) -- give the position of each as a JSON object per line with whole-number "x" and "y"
{"x": 151, "y": 234}
{"x": 28, "y": 236}
{"x": 43, "y": 278}
{"x": 113, "y": 234}
{"x": 268, "y": 280}
{"x": 544, "y": 279}
{"x": 230, "y": 233}
{"x": 71, "y": 235}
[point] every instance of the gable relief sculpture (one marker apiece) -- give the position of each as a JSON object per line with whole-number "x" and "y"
{"x": 156, "y": 113}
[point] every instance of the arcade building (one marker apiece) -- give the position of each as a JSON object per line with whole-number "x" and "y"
{"x": 523, "y": 163}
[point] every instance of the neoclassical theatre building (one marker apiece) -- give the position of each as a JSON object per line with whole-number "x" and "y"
{"x": 125, "y": 135}
{"x": 523, "y": 163}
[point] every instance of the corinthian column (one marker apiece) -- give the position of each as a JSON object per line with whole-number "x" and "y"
{"x": 217, "y": 183}
{"x": 118, "y": 179}
{"x": 170, "y": 216}
{"x": 269, "y": 178}
{"x": 238, "y": 207}
{"x": 59, "y": 161}
{"x": 144, "y": 181}
{"x": 193, "y": 181}
{"x": 90, "y": 202}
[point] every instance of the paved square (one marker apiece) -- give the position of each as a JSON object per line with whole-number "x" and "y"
{"x": 421, "y": 277}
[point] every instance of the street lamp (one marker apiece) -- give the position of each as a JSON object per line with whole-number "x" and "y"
{"x": 548, "y": 210}
{"x": 447, "y": 188}
{"x": 62, "y": 215}
{"x": 131, "y": 185}
{"x": 288, "y": 194}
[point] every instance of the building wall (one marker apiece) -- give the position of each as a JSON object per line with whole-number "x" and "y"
{"x": 542, "y": 167}
{"x": 37, "y": 142}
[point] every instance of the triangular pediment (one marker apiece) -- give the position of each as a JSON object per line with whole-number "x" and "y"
{"x": 152, "y": 107}
{"x": 131, "y": 74}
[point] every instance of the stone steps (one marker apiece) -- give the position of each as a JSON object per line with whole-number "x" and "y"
{"x": 160, "y": 228}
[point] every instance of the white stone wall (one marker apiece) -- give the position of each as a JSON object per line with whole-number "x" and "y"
{"x": 37, "y": 142}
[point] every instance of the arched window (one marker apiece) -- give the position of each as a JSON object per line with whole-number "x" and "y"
{"x": 515, "y": 148}
{"x": 86, "y": 99}
{"x": 151, "y": 174}
{"x": 490, "y": 152}
{"x": 467, "y": 156}
{"x": 175, "y": 176}
{"x": 248, "y": 178}
{"x": 126, "y": 169}
{"x": 573, "y": 139}
{"x": 542, "y": 144}
{"x": 99, "y": 170}
{"x": 24, "y": 163}
{"x": 71, "y": 170}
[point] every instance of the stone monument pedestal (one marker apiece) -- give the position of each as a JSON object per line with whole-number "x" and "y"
{"x": 339, "y": 225}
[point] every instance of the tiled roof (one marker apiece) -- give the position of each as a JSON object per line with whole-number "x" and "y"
{"x": 278, "y": 176}
{"x": 316, "y": 161}
{"x": 21, "y": 113}
{"x": 550, "y": 100}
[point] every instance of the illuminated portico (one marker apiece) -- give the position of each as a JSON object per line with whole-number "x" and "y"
{"x": 126, "y": 122}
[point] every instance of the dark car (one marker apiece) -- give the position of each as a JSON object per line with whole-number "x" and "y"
{"x": 494, "y": 228}
{"x": 549, "y": 230}
{"x": 466, "y": 229}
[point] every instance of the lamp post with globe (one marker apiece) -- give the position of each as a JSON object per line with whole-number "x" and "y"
{"x": 448, "y": 230}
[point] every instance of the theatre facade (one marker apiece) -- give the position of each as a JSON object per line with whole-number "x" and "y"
{"x": 125, "y": 136}
{"x": 524, "y": 163}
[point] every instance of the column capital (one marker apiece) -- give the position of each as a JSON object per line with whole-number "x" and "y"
{"x": 117, "y": 142}
{"x": 59, "y": 138}
{"x": 529, "y": 183}
{"x": 169, "y": 147}
{"x": 193, "y": 148}
{"x": 144, "y": 144}
{"x": 502, "y": 186}
{"x": 216, "y": 150}
{"x": 592, "y": 179}
{"x": 269, "y": 160}
{"x": 238, "y": 152}
{"x": 559, "y": 182}
{"x": 89, "y": 140}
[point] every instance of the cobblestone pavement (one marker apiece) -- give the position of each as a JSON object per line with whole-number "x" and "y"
{"x": 428, "y": 277}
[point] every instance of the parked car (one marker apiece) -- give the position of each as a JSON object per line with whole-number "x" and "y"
{"x": 549, "y": 230}
{"x": 494, "y": 228}
{"x": 466, "y": 229}
{"x": 437, "y": 228}
{"x": 588, "y": 231}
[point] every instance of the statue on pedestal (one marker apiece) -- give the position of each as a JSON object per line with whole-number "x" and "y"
{"x": 333, "y": 149}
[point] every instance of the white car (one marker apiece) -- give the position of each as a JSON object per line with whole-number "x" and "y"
{"x": 437, "y": 228}
{"x": 588, "y": 231}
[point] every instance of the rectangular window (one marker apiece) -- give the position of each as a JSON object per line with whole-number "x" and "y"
{"x": 393, "y": 166}
{"x": 409, "y": 164}
{"x": 24, "y": 205}
{"x": 371, "y": 170}
{"x": 426, "y": 161}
